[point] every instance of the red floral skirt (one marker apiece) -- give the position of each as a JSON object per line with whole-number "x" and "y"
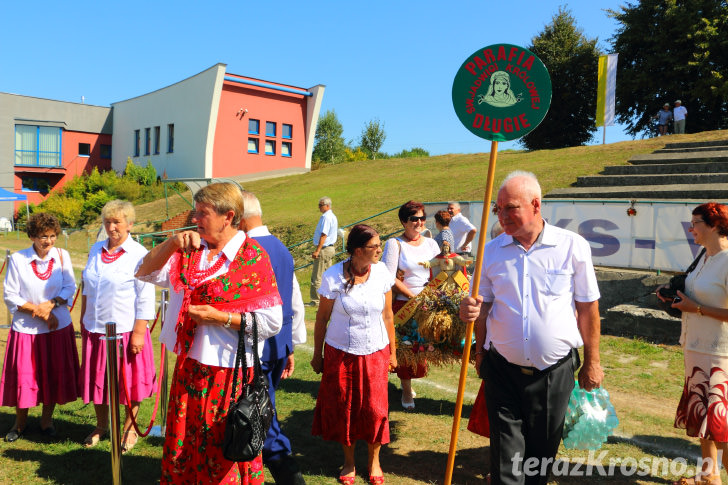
{"x": 478, "y": 422}
{"x": 352, "y": 402}
{"x": 702, "y": 411}
{"x": 198, "y": 405}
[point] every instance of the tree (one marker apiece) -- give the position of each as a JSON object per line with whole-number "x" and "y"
{"x": 372, "y": 138}
{"x": 669, "y": 50}
{"x": 571, "y": 60}
{"x": 329, "y": 144}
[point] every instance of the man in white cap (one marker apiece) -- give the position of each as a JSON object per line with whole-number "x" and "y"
{"x": 679, "y": 114}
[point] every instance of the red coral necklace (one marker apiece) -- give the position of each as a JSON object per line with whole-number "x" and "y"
{"x": 45, "y": 274}
{"x": 107, "y": 257}
{"x": 196, "y": 275}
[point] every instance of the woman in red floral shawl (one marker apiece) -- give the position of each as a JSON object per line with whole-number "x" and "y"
{"x": 217, "y": 277}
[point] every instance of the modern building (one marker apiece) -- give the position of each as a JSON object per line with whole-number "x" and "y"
{"x": 211, "y": 125}
{"x": 218, "y": 125}
{"x": 45, "y": 143}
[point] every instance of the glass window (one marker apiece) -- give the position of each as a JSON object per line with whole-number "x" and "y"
{"x": 270, "y": 128}
{"x": 287, "y": 131}
{"x": 270, "y": 147}
{"x": 84, "y": 149}
{"x": 156, "y": 139}
{"x": 38, "y": 145}
{"x": 252, "y": 145}
{"x": 36, "y": 184}
{"x": 170, "y": 138}
{"x": 136, "y": 143}
{"x": 253, "y": 127}
{"x": 105, "y": 151}
{"x": 147, "y": 141}
{"x": 286, "y": 149}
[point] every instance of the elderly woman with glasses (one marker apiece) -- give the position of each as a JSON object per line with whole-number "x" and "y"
{"x": 402, "y": 256}
{"x": 41, "y": 359}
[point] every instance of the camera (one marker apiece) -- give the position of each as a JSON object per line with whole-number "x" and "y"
{"x": 668, "y": 293}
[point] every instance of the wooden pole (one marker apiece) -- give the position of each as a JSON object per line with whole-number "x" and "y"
{"x": 475, "y": 286}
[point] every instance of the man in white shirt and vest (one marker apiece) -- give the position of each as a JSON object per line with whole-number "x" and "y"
{"x": 537, "y": 303}
{"x": 463, "y": 230}
{"x": 324, "y": 238}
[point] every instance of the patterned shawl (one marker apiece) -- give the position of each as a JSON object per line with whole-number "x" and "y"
{"x": 248, "y": 285}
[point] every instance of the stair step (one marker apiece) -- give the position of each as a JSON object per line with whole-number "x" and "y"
{"x": 652, "y": 179}
{"x": 698, "y": 192}
{"x": 697, "y": 144}
{"x": 690, "y": 150}
{"x": 689, "y": 157}
{"x": 667, "y": 168}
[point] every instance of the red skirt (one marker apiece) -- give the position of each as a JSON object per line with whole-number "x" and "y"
{"x": 139, "y": 369}
{"x": 352, "y": 402}
{"x": 406, "y": 372}
{"x": 703, "y": 408}
{"x": 40, "y": 369}
{"x": 198, "y": 405}
{"x": 478, "y": 422}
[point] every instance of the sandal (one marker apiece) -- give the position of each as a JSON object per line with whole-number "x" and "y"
{"x": 347, "y": 480}
{"x": 127, "y": 442}
{"x": 376, "y": 479}
{"x": 697, "y": 480}
{"x": 408, "y": 406}
{"x": 93, "y": 439}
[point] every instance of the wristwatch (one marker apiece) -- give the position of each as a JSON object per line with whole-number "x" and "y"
{"x": 56, "y": 302}
{"x": 229, "y": 321}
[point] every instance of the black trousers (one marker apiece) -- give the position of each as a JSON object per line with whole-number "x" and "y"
{"x": 526, "y": 409}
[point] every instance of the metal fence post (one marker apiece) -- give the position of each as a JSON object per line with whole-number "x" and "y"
{"x": 161, "y": 429}
{"x": 113, "y": 342}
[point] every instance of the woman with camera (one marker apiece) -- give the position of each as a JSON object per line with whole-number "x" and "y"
{"x": 704, "y": 338}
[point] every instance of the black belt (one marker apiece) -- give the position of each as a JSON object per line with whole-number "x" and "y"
{"x": 530, "y": 371}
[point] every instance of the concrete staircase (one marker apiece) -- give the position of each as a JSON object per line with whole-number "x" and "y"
{"x": 696, "y": 172}
{"x": 684, "y": 171}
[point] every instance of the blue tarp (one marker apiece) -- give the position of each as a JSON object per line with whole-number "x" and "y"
{"x": 7, "y": 196}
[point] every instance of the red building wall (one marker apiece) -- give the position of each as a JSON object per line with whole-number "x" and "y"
{"x": 72, "y": 164}
{"x": 230, "y": 148}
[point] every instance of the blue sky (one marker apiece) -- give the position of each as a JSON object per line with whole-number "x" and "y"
{"x": 392, "y": 60}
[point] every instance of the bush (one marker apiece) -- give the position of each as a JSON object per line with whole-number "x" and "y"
{"x": 413, "y": 153}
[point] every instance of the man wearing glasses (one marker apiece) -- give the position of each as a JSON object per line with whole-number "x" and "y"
{"x": 324, "y": 237}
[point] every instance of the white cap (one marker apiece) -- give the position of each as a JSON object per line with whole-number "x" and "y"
{"x": 678, "y": 102}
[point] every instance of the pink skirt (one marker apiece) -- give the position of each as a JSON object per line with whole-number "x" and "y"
{"x": 139, "y": 370}
{"x": 352, "y": 402}
{"x": 703, "y": 408}
{"x": 40, "y": 369}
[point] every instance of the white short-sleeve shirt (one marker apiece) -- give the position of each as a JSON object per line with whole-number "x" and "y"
{"x": 356, "y": 325}
{"x": 532, "y": 321}
{"x": 460, "y": 227}
{"x": 399, "y": 254}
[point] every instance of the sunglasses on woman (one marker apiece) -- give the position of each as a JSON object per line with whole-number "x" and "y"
{"x": 417, "y": 218}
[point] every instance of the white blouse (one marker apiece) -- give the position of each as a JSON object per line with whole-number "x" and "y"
{"x": 406, "y": 257}
{"x": 356, "y": 325}
{"x": 112, "y": 292}
{"x": 214, "y": 344}
{"x": 708, "y": 285}
{"x": 23, "y": 286}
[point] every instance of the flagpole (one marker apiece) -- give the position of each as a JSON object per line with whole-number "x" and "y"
{"x": 475, "y": 286}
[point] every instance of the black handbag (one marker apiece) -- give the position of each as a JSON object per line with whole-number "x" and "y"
{"x": 249, "y": 417}
{"x": 676, "y": 283}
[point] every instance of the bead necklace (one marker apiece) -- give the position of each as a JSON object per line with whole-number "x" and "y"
{"x": 107, "y": 257}
{"x": 196, "y": 275}
{"x": 412, "y": 239}
{"x": 45, "y": 274}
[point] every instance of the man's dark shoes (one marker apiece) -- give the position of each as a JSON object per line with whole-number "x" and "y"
{"x": 285, "y": 471}
{"x": 13, "y": 435}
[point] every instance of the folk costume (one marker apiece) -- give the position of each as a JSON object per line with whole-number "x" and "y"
{"x": 239, "y": 279}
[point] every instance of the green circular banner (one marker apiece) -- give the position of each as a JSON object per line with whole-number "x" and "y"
{"x": 501, "y": 92}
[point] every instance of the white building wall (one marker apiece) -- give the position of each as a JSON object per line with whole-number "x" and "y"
{"x": 191, "y": 105}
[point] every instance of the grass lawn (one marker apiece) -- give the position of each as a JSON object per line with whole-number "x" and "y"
{"x": 645, "y": 380}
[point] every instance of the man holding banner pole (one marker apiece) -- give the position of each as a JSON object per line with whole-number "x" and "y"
{"x": 537, "y": 303}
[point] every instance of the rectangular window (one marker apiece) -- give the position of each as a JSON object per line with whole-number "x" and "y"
{"x": 84, "y": 149}
{"x": 38, "y": 145}
{"x": 270, "y": 147}
{"x": 253, "y": 127}
{"x": 170, "y": 138}
{"x": 286, "y": 149}
{"x": 137, "y": 142}
{"x": 147, "y": 141}
{"x": 35, "y": 184}
{"x": 252, "y": 145}
{"x": 105, "y": 151}
{"x": 157, "y": 131}
{"x": 287, "y": 131}
{"x": 270, "y": 128}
